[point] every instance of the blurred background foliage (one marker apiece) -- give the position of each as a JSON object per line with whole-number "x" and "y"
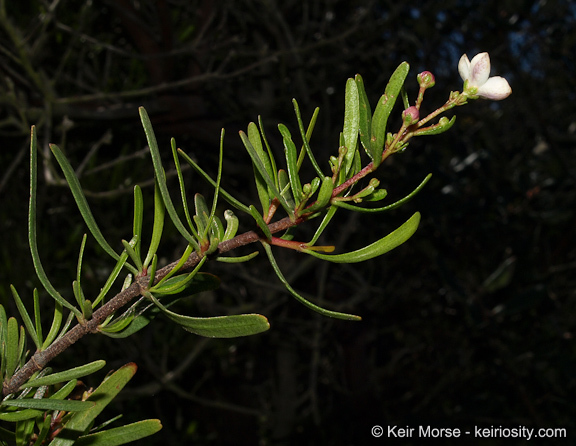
{"x": 471, "y": 322}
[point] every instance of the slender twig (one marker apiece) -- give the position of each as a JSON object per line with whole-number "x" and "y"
{"x": 41, "y": 358}
{"x": 361, "y": 174}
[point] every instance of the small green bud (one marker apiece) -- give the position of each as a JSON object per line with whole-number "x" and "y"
{"x": 333, "y": 163}
{"x": 374, "y": 182}
{"x": 231, "y": 225}
{"x": 411, "y": 115}
{"x": 127, "y": 281}
{"x": 426, "y": 80}
{"x": 87, "y": 309}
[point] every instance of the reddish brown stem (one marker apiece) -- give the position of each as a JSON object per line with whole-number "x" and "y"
{"x": 351, "y": 181}
{"x": 41, "y": 358}
{"x": 364, "y": 172}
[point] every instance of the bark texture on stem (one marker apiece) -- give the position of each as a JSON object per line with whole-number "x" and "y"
{"x": 41, "y": 358}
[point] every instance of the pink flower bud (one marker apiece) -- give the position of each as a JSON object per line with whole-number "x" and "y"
{"x": 410, "y": 116}
{"x": 426, "y": 79}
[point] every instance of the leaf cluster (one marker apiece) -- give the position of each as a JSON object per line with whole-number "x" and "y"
{"x": 286, "y": 200}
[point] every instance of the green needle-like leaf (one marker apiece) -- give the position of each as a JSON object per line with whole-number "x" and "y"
{"x": 3, "y": 338}
{"x": 38, "y": 318}
{"x": 20, "y": 415}
{"x": 77, "y": 284}
{"x": 87, "y": 309}
{"x": 285, "y": 189}
{"x": 26, "y": 318}
{"x": 55, "y": 327}
{"x": 301, "y": 299}
{"x": 306, "y": 139}
{"x": 377, "y": 195}
{"x": 202, "y": 282}
{"x": 79, "y": 295}
{"x": 216, "y": 228}
{"x": 55, "y": 378}
{"x": 262, "y": 191}
{"x": 22, "y": 343}
{"x": 260, "y": 167}
{"x": 187, "y": 252}
{"x": 158, "y": 228}
{"x": 256, "y": 141}
{"x": 161, "y": 179}
{"x": 66, "y": 325}
{"x": 81, "y": 201}
{"x": 152, "y": 271}
{"x": 45, "y": 427}
{"x": 182, "y": 187}
{"x": 382, "y": 246}
{"x": 136, "y": 324}
{"x": 27, "y": 414}
{"x": 324, "y": 195}
{"x": 23, "y": 431}
{"x": 365, "y": 117}
{"x": 351, "y": 122}
{"x": 80, "y": 257}
{"x": 381, "y": 194}
{"x": 201, "y": 217}
{"x": 232, "y": 223}
{"x": 291, "y": 163}
{"x": 32, "y": 239}
{"x": 213, "y": 221}
{"x": 49, "y": 404}
{"x": 219, "y": 326}
{"x": 112, "y": 277}
{"x": 229, "y": 198}
{"x": 138, "y": 216}
{"x": 239, "y": 259}
{"x": 405, "y": 99}
{"x": 383, "y": 110}
{"x": 260, "y": 222}
{"x": 323, "y": 224}
{"x": 80, "y": 422}
{"x": 118, "y": 325}
{"x": 443, "y": 125}
{"x": 268, "y": 149}
{"x": 121, "y": 435}
{"x": 178, "y": 284}
{"x": 11, "y": 351}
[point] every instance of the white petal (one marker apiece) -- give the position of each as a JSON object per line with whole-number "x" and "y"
{"x": 479, "y": 69}
{"x": 464, "y": 67}
{"x": 495, "y": 88}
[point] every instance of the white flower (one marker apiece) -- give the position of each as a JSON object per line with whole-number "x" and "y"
{"x": 477, "y": 80}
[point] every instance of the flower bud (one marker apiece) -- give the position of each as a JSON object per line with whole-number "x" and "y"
{"x": 426, "y": 79}
{"x": 410, "y": 116}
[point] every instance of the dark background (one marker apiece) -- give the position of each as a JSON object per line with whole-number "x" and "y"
{"x": 470, "y": 323}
